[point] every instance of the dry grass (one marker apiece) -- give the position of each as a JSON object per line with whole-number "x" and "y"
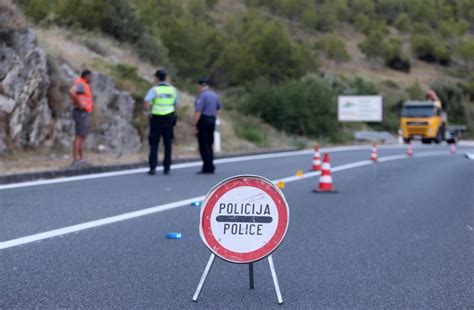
{"x": 10, "y": 16}
{"x": 83, "y": 50}
{"x": 421, "y": 72}
{"x": 36, "y": 161}
{"x": 224, "y": 8}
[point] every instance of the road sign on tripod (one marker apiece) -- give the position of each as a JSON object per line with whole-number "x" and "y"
{"x": 243, "y": 220}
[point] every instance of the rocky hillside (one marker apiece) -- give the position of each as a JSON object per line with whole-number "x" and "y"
{"x": 26, "y": 118}
{"x": 36, "y": 70}
{"x": 32, "y": 117}
{"x": 272, "y": 61}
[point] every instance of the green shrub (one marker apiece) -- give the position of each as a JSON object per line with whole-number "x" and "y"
{"x": 430, "y": 49}
{"x": 364, "y": 7}
{"x": 37, "y": 10}
{"x": 304, "y": 107}
{"x": 393, "y": 55}
{"x": 127, "y": 77}
{"x": 415, "y": 92}
{"x": 334, "y": 48}
{"x": 250, "y": 128}
{"x": 399, "y": 63}
{"x": 364, "y": 87}
{"x": 403, "y": 23}
{"x": 233, "y": 98}
{"x": 390, "y": 84}
{"x": 253, "y": 135}
{"x": 326, "y": 18}
{"x": 468, "y": 87}
{"x": 151, "y": 47}
{"x": 257, "y": 47}
{"x": 119, "y": 19}
{"x": 362, "y": 23}
{"x": 465, "y": 50}
{"x": 423, "y": 47}
{"x": 452, "y": 98}
{"x": 373, "y": 45}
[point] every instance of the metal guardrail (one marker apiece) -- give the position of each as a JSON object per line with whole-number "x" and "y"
{"x": 457, "y": 128}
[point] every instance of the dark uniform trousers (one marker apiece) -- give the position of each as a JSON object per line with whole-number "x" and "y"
{"x": 161, "y": 125}
{"x": 206, "y": 126}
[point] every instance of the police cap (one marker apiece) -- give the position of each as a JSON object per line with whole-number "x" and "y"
{"x": 203, "y": 81}
{"x": 160, "y": 74}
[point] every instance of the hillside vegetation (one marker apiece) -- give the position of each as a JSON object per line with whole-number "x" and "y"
{"x": 285, "y": 61}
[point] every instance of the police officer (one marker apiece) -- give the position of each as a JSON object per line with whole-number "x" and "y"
{"x": 206, "y": 106}
{"x": 160, "y": 103}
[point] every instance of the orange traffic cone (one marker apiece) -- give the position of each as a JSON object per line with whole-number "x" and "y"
{"x": 373, "y": 155}
{"x": 452, "y": 148}
{"x": 325, "y": 180}
{"x": 316, "y": 159}
{"x": 410, "y": 150}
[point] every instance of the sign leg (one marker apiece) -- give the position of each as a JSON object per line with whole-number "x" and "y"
{"x": 275, "y": 280}
{"x": 251, "y": 275}
{"x": 204, "y": 277}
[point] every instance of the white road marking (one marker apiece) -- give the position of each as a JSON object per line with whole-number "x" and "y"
{"x": 186, "y": 165}
{"x": 96, "y": 223}
{"x": 177, "y": 204}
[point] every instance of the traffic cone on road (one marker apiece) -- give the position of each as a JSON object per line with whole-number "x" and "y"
{"x": 410, "y": 150}
{"x": 373, "y": 155}
{"x": 325, "y": 180}
{"x": 316, "y": 159}
{"x": 452, "y": 148}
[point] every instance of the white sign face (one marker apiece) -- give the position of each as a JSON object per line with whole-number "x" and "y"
{"x": 360, "y": 109}
{"x": 244, "y": 219}
{"x": 242, "y": 213}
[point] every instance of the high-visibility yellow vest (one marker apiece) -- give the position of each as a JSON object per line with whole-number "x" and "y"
{"x": 164, "y": 102}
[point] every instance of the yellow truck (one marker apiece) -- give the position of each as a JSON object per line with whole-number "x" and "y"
{"x": 427, "y": 121}
{"x": 423, "y": 120}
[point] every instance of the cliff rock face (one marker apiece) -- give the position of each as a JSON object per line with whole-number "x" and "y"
{"x": 27, "y": 117}
{"x": 111, "y": 119}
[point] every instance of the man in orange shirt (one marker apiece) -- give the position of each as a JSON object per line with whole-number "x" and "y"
{"x": 81, "y": 97}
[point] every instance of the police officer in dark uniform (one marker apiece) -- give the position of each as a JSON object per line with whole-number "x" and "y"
{"x": 206, "y": 106}
{"x": 160, "y": 103}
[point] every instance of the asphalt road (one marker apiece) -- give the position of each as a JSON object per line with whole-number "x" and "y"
{"x": 399, "y": 234}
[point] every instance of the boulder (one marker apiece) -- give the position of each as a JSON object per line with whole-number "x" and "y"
{"x": 26, "y": 119}
{"x": 111, "y": 126}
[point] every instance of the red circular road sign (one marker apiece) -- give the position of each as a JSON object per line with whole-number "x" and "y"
{"x": 244, "y": 219}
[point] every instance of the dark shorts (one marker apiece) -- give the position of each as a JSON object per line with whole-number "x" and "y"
{"x": 81, "y": 120}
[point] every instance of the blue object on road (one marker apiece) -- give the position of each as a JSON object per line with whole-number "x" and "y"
{"x": 174, "y": 235}
{"x": 196, "y": 203}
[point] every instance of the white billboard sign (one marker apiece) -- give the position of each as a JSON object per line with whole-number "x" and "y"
{"x": 360, "y": 108}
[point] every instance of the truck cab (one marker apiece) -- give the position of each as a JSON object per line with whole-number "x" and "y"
{"x": 425, "y": 120}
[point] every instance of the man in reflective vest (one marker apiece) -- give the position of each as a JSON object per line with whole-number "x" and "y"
{"x": 160, "y": 103}
{"x": 81, "y": 97}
